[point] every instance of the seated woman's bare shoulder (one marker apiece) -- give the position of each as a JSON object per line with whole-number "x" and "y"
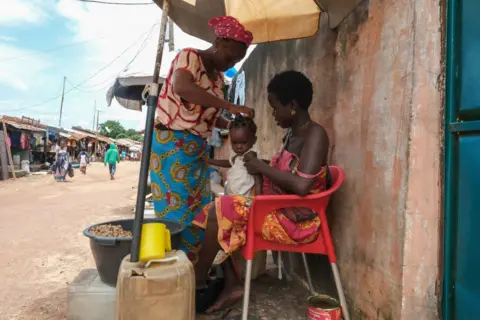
{"x": 315, "y": 148}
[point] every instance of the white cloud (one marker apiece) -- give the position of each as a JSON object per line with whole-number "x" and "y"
{"x": 18, "y": 75}
{"x": 7, "y": 39}
{"x": 83, "y": 123}
{"x": 116, "y": 28}
{"x": 108, "y": 31}
{"x": 120, "y": 27}
{"x": 14, "y": 12}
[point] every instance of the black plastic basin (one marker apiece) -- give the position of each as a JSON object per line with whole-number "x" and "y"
{"x": 108, "y": 252}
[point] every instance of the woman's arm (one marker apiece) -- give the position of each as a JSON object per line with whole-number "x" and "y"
{"x": 312, "y": 158}
{"x": 222, "y": 123}
{"x": 185, "y": 87}
{"x": 219, "y": 163}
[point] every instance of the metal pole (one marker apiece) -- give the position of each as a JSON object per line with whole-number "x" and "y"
{"x": 61, "y": 103}
{"x": 94, "y": 114}
{"x": 147, "y": 141}
{"x": 98, "y": 117}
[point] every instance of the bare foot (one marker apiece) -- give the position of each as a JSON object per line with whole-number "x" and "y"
{"x": 228, "y": 297}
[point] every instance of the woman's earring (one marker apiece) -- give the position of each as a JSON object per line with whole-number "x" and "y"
{"x": 293, "y": 112}
{"x": 215, "y": 50}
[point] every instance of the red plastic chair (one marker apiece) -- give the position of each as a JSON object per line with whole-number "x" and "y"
{"x": 263, "y": 205}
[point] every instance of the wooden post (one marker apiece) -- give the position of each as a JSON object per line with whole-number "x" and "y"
{"x": 9, "y": 152}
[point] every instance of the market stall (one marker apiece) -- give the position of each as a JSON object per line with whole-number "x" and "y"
{"x": 26, "y": 140}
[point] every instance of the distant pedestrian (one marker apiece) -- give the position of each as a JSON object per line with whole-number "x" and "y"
{"x": 112, "y": 157}
{"x": 84, "y": 160}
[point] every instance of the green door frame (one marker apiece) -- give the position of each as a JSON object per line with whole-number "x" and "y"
{"x": 449, "y": 160}
{"x": 454, "y": 128}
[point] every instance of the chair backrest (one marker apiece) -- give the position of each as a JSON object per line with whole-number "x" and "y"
{"x": 263, "y": 205}
{"x": 321, "y": 199}
{"x": 338, "y": 176}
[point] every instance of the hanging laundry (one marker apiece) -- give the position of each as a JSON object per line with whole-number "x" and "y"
{"x": 27, "y": 141}
{"x": 215, "y": 140}
{"x": 23, "y": 141}
{"x": 38, "y": 138}
{"x": 15, "y": 139}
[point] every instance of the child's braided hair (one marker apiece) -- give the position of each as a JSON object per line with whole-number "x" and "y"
{"x": 244, "y": 122}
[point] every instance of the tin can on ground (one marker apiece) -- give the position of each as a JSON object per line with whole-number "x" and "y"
{"x": 323, "y": 307}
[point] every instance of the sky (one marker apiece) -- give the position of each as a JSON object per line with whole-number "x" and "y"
{"x": 41, "y": 41}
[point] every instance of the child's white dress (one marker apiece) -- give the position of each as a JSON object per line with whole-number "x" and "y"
{"x": 239, "y": 181}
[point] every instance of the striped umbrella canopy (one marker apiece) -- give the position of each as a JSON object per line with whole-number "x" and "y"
{"x": 268, "y": 20}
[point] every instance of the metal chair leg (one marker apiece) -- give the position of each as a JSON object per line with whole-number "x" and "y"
{"x": 341, "y": 294}
{"x": 307, "y": 271}
{"x": 279, "y": 262}
{"x": 246, "y": 294}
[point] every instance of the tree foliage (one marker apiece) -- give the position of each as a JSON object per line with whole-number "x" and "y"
{"x": 114, "y": 129}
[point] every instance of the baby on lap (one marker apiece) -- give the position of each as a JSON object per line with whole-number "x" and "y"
{"x": 243, "y": 136}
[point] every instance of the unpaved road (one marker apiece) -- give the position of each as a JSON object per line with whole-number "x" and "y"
{"x": 42, "y": 245}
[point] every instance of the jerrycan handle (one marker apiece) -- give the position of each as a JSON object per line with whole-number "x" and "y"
{"x": 175, "y": 258}
{"x": 168, "y": 240}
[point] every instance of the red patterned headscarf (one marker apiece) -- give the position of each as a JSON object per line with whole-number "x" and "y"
{"x": 230, "y": 28}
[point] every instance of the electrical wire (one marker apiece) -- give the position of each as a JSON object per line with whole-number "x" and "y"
{"x": 119, "y": 3}
{"x": 96, "y": 85}
{"x": 90, "y": 89}
{"x": 142, "y": 47}
{"x": 84, "y": 81}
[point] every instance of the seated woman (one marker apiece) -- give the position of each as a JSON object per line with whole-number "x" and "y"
{"x": 299, "y": 168}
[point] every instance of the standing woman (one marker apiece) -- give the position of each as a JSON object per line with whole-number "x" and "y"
{"x": 62, "y": 162}
{"x": 189, "y": 106}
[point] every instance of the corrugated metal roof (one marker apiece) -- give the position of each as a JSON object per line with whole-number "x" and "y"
{"x": 127, "y": 142}
{"x": 104, "y": 139}
{"x": 22, "y": 126}
{"x": 78, "y": 136}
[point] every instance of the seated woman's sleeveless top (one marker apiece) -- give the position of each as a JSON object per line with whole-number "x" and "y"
{"x": 289, "y": 162}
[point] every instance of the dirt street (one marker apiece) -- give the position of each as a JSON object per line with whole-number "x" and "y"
{"x": 41, "y": 224}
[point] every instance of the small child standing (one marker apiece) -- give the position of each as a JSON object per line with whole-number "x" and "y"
{"x": 243, "y": 136}
{"x": 83, "y": 161}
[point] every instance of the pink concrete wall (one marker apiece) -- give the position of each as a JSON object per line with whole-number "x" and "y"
{"x": 378, "y": 95}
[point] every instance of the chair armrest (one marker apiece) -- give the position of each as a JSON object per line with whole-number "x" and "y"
{"x": 273, "y": 202}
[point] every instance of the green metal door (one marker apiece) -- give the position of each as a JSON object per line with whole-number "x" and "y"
{"x": 461, "y": 299}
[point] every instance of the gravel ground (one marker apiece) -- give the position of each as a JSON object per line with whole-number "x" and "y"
{"x": 41, "y": 224}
